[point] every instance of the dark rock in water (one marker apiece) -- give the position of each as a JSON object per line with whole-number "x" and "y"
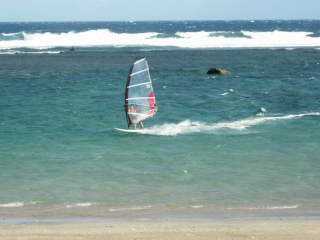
{"x": 72, "y": 49}
{"x": 218, "y": 71}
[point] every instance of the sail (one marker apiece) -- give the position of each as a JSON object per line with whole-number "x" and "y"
{"x": 140, "y": 100}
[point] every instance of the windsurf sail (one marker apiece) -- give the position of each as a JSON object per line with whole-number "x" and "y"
{"x": 140, "y": 100}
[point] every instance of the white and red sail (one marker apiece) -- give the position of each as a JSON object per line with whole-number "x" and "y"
{"x": 140, "y": 99}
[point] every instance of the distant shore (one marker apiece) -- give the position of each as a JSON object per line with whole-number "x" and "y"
{"x": 195, "y": 230}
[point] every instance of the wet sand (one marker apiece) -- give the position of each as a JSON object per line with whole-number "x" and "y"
{"x": 196, "y": 230}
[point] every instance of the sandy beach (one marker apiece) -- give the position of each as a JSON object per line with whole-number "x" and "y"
{"x": 261, "y": 229}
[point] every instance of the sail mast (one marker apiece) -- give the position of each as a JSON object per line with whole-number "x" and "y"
{"x": 126, "y": 106}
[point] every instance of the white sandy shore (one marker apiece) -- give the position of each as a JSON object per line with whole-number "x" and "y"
{"x": 227, "y": 230}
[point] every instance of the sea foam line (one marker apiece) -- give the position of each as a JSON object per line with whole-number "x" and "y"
{"x": 201, "y": 39}
{"x": 135, "y": 208}
{"x": 188, "y": 127}
{"x": 77, "y": 205}
{"x": 11, "y": 52}
{"x": 285, "y": 207}
{"x": 12, "y": 205}
{"x": 17, "y": 204}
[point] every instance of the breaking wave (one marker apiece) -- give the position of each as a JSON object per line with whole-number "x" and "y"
{"x": 188, "y": 127}
{"x": 15, "y": 52}
{"x": 201, "y": 39}
{"x": 11, "y": 36}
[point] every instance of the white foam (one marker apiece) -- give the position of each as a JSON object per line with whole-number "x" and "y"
{"x": 197, "y": 206}
{"x": 9, "y": 34}
{"x": 12, "y": 52}
{"x": 202, "y": 39}
{"x": 188, "y": 127}
{"x": 262, "y": 109}
{"x": 227, "y": 93}
{"x": 281, "y": 207}
{"x": 40, "y": 52}
{"x": 12, "y": 205}
{"x": 267, "y": 207}
{"x": 77, "y": 205}
{"x": 135, "y": 208}
{"x": 8, "y": 52}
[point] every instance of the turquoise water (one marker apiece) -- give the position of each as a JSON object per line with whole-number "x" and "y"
{"x": 58, "y": 144}
{"x": 208, "y": 145}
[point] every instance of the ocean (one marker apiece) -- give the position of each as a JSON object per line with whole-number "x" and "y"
{"x": 246, "y": 141}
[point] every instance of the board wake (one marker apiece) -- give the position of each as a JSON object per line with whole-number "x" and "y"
{"x": 190, "y": 127}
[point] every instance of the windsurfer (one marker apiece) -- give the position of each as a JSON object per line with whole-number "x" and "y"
{"x": 140, "y": 124}
{"x": 131, "y": 111}
{"x": 140, "y": 100}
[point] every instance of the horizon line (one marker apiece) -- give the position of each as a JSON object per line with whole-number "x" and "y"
{"x": 165, "y": 20}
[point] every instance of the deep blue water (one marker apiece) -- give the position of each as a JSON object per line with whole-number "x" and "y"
{"x": 163, "y": 26}
{"x": 208, "y": 145}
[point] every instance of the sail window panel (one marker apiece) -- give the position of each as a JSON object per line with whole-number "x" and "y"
{"x": 140, "y": 65}
{"x": 139, "y": 78}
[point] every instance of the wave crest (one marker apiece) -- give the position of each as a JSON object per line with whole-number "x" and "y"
{"x": 14, "y": 52}
{"x": 202, "y": 39}
{"x": 12, "y": 36}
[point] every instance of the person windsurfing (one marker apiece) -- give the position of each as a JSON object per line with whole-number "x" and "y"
{"x": 140, "y": 99}
{"x": 132, "y": 111}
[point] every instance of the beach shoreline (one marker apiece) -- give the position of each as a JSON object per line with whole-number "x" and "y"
{"x": 229, "y": 229}
{"x": 149, "y": 223}
{"x": 17, "y": 213}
